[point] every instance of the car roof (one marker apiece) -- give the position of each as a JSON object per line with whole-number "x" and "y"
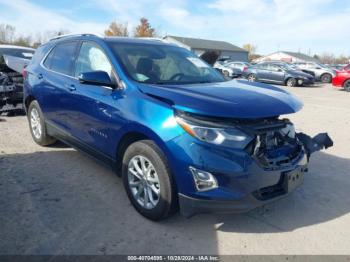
{"x": 112, "y": 39}
{"x": 17, "y": 47}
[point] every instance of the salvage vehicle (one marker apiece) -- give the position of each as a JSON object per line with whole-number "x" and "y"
{"x": 227, "y": 70}
{"x": 171, "y": 126}
{"x": 12, "y": 61}
{"x": 322, "y": 73}
{"x": 241, "y": 66}
{"x": 342, "y": 79}
{"x": 277, "y": 73}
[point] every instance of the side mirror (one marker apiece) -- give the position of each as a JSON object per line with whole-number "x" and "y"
{"x": 99, "y": 78}
{"x": 280, "y": 70}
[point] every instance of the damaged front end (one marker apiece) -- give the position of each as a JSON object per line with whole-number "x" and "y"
{"x": 267, "y": 161}
{"x": 276, "y": 143}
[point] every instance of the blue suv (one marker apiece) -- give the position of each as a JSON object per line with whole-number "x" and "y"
{"x": 178, "y": 133}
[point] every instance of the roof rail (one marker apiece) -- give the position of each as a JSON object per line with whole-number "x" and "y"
{"x": 68, "y": 35}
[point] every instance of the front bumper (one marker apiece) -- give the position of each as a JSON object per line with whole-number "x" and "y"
{"x": 246, "y": 178}
{"x": 306, "y": 82}
{"x": 287, "y": 183}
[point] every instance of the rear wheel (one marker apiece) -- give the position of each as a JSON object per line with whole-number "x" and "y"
{"x": 251, "y": 78}
{"x": 37, "y": 125}
{"x": 147, "y": 180}
{"x": 326, "y": 78}
{"x": 291, "y": 82}
{"x": 347, "y": 85}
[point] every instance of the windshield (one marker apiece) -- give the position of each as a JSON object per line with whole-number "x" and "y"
{"x": 288, "y": 67}
{"x": 163, "y": 64}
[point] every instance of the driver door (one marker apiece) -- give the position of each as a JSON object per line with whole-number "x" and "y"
{"x": 96, "y": 118}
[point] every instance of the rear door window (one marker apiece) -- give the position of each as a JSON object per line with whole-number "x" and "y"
{"x": 61, "y": 58}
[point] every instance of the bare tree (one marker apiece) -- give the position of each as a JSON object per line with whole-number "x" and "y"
{"x": 251, "y": 50}
{"x": 144, "y": 29}
{"x": 7, "y": 33}
{"x": 23, "y": 41}
{"x": 327, "y": 58}
{"x": 117, "y": 29}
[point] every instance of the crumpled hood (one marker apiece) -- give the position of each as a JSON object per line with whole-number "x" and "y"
{"x": 299, "y": 73}
{"x": 232, "y": 99}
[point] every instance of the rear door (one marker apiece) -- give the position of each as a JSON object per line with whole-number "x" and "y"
{"x": 263, "y": 72}
{"x": 57, "y": 83}
{"x": 276, "y": 73}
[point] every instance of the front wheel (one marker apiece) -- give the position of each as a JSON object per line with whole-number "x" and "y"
{"x": 226, "y": 73}
{"x": 148, "y": 181}
{"x": 291, "y": 82}
{"x": 37, "y": 125}
{"x": 347, "y": 85}
{"x": 251, "y": 78}
{"x": 326, "y": 78}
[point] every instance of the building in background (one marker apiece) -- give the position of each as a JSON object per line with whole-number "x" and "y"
{"x": 287, "y": 56}
{"x": 199, "y": 46}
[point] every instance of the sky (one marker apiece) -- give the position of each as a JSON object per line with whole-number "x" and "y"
{"x": 308, "y": 26}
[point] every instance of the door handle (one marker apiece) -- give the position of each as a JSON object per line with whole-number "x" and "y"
{"x": 71, "y": 87}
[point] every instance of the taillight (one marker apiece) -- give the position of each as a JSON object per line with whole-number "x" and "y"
{"x": 245, "y": 68}
{"x": 24, "y": 73}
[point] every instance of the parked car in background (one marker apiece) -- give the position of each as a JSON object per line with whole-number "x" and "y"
{"x": 178, "y": 135}
{"x": 226, "y": 70}
{"x": 238, "y": 65}
{"x": 322, "y": 73}
{"x": 12, "y": 61}
{"x": 342, "y": 79}
{"x": 346, "y": 67}
{"x": 277, "y": 73}
{"x": 337, "y": 67}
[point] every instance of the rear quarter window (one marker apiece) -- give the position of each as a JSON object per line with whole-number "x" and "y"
{"x": 61, "y": 58}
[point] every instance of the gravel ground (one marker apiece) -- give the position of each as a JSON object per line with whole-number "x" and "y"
{"x": 56, "y": 200}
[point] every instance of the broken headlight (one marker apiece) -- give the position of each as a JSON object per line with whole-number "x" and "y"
{"x": 227, "y": 136}
{"x": 288, "y": 130}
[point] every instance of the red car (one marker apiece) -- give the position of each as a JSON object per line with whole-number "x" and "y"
{"x": 342, "y": 79}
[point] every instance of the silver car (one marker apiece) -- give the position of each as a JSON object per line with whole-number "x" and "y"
{"x": 238, "y": 65}
{"x": 226, "y": 70}
{"x": 322, "y": 73}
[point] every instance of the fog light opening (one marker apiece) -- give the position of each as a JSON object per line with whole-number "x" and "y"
{"x": 203, "y": 180}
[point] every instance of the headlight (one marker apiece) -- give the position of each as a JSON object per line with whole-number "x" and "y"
{"x": 228, "y": 136}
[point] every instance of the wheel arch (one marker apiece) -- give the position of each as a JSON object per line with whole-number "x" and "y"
{"x": 28, "y": 100}
{"x": 345, "y": 80}
{"x": 136, "y": 133}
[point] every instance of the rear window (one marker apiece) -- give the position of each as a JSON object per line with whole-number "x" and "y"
{"x": 61, "y": 58}
{"x": 22, "y": 53}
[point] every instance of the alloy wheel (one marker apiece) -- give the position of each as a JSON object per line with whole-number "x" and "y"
{"x": 251, "y": 78}
{"x": 35, "y": 123}
{"x": 143, "y": 182}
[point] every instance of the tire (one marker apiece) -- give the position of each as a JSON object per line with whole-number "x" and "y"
{"x": 37, "y": 125}
{"x": 326, "y": 78}
{"x": 291, "y": 82}
{"x": 251, "y": 78}
{"x": 347, "y": 85}
{"x": 143, "y": 188}
{"x": 226, "y": 73}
